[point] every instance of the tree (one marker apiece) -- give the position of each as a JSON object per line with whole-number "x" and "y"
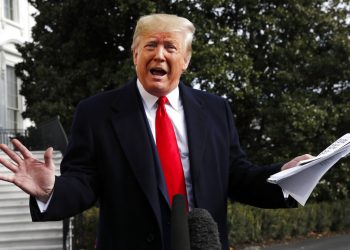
{"x": 283, "y": 66}
{"x": 79, "y": 48}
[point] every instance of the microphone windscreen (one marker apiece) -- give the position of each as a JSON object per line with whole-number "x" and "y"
{"x": 180, "y": 237}
{"x": 204, "y": 234}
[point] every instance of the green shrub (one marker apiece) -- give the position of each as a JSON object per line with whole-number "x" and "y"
{"x": 253, "y": 225}
{"x": 249, "y": 224}
{"x": 84, "y": 231}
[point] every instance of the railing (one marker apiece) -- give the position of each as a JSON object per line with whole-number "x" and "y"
{"x": 7, "y": 134}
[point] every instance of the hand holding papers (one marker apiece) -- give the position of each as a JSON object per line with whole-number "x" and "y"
{"x": 300, "y": 181}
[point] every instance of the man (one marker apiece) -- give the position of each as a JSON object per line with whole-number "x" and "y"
{"x": 116, "y": 154}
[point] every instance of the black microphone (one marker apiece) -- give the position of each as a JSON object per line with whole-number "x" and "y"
{"x": 180, "y": 237}
{"x": 204, "y": 233}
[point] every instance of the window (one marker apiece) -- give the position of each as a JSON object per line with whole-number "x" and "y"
{"x": 11, "y": 9}
{"x": 12, "y": 98}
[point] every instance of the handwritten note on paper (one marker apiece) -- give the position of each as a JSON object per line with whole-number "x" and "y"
{"x": 332, "y": 149}
{"x": 341, "y": 142}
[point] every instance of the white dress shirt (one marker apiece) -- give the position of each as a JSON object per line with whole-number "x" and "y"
{"x": 176, "y": 114}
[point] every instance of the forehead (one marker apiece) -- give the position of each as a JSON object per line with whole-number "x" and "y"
{"x": 174, "y": 37}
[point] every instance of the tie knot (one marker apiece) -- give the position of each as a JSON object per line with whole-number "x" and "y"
{"x": 162, "y": 100}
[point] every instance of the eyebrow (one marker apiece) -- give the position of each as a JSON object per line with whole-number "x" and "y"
{"x": 171, "y": 41}
{"x": 151, "y": 38}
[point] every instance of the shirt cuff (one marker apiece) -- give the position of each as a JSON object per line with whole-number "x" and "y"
{"x": 43, "y": 206}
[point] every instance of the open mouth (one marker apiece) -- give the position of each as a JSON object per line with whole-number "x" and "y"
{"x": 158, "y": 72}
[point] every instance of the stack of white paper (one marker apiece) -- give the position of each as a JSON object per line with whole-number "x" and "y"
{"x": 302, "y": 179}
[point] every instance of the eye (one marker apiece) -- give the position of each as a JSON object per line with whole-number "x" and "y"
{"x": 150, "y": 45}
{"x": 170, "y": 47}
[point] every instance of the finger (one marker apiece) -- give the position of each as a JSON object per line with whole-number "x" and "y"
{"x": 24, "y": 151}
{"x": 290, "y": 164}
{"x": 48, "y": 157}
{"x": 303, "y": 157}
{"x": 308, "y": 156}
{"x": 296, "y": 161}
{"x": 15, "y": 157}
{"x": 8, "y": 178}
{"x": 9, "y": 165}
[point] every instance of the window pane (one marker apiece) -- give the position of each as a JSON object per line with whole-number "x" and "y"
{"x": 11, "y": 9}
{"x": 12, "y": 119}
{"x": 12, "y": 90}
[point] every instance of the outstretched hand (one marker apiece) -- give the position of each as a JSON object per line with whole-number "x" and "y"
{"x": 34, "y": 177}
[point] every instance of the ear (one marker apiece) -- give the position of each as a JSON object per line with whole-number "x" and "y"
{"x": 187, "y": 59}
{"x": 134, "y": 55}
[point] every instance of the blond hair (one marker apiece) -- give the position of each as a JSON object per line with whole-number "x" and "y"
{"x": 164, "y": 23}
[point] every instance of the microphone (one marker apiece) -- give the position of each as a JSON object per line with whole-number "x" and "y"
{"x": 180, "y": 237}
{"x": 204, "y": 234}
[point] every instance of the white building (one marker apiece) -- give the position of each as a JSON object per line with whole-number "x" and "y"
{"x": 17, "y": 232}
{"x": 16, "y": 22}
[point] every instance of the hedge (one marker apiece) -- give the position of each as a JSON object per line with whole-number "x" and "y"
{"x": 253, "y": 225}
{"x": 249, "y": 225}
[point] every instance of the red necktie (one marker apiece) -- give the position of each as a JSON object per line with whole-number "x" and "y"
{"x": 169, "y": 152}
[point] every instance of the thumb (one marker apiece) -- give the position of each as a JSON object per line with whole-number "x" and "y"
{"x": 48, "y": 157}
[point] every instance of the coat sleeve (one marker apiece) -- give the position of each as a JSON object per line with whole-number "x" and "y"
{"x": 247, "y": 182}
{"x": 76, "y": 189}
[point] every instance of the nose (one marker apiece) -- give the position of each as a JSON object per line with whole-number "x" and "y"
{"x": 159, "y": 56}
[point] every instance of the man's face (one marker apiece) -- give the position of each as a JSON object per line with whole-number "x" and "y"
{"x": 160, "y": 58}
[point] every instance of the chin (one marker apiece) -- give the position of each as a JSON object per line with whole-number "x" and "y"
{"x": 159, "y": 92}
{"x": 159, "y": 89}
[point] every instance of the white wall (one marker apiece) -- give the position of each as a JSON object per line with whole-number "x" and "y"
{"x": 12, "y": 32}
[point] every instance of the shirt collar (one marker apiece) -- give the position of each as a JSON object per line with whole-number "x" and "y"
{"x": 151, "y": 100}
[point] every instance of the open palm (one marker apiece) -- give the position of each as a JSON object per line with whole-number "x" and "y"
{"x": 34, "y": 177}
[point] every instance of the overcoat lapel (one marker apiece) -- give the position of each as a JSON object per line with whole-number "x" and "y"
{"x": 132, "y": 131}
{"x": 196, "y": 124}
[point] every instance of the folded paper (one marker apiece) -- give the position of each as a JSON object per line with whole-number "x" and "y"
{"x": 300, "y": 181}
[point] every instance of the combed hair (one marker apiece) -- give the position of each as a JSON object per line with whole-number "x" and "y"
{"x": 164, "y": 23}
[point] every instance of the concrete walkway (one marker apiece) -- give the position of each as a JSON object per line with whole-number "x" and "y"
{"x": 336, "y": 242}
